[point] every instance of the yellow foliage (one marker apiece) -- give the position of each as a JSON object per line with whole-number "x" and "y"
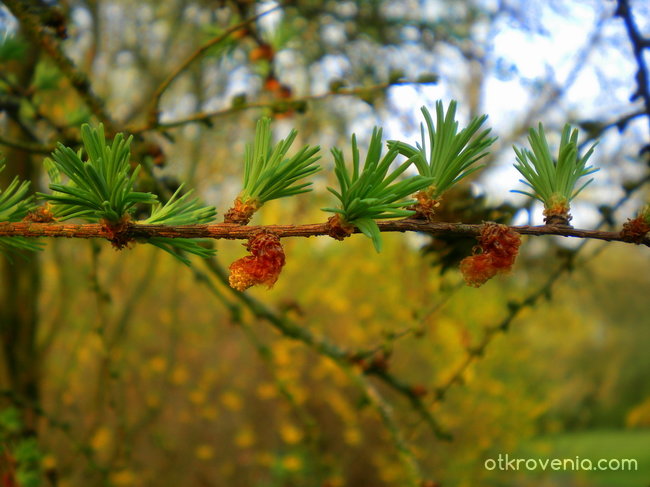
{"x": 352, "y": 436}
{"x": 102, "y": 439}
{"x": 231, "y": 400}
{"x": 266, "y": 390}
{"x": 197, "y": 397}
{"x": 124, "y": 478}
{"x": 245, "y": 438}
{"x": 152, "y": 400}
{"x": 48, "y": 462}
{"x": 290, "y": 433}
{"x": 204, "y": 452}
{"x": 179, "y": 375}
{"x": 639, "y": 416}
{"x": 292, "y": 463}
{"x": 209, "y": 412}
{"x": 157, "y": 364}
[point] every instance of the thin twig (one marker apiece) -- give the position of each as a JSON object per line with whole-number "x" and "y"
{"x": 324, "y": 347}
{"x": 26, "y": 146}
{"x": 284, "y": 103}
{"x": 406, "y": 454}
{"x": 639, "y": 44}
{"x": 157, "y": 95}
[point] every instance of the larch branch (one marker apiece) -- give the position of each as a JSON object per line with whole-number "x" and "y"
{"x": 233, "y": 231}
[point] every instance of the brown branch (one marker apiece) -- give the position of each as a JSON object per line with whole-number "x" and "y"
{"x": 152, "y": 121}
{"x": 289, "y": 103}
{"x": 639, "y": 44}
{"x": 232, "y": 231}
{"x": 26, "y": 146}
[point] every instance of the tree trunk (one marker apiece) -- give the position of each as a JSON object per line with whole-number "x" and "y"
{"x": 20, "y": 282}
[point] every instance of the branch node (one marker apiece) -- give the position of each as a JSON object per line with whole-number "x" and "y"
{"x": 242, "y": 211}
{"x": 635, "y": 230}
{"x": 118, "y": 233}
{"x": 425, "y": 207}
{"x": 337, "y": 228}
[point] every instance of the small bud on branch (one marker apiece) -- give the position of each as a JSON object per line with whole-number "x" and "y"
{"x": 263, "y": 266}
{"x": 496, "y": 253}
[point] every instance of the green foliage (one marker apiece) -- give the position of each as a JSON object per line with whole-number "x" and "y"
{"x": 78, "y": 115}
{"x": 12, "y": 49}
{"x": 181, "y": 211}
{"x": 451, "y": 155}
{"x": 372, "y": 193}
{"x": 47, "y": 77}
{"x": 553, "y": 182}
{"x": 28, "y": 456}
{"x": 24, "y": 452}
{"x": 268, "y": 173}
{"x": 9, "y": 422}
{"x": 100, "y": 187}
{"x": 15, "y": 203}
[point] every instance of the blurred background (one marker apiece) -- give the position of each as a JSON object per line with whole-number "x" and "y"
{"x": 130, "y": 369}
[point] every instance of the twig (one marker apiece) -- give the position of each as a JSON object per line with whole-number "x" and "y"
{"x": 203, "y": 117}
{"x": 639, "y": 44}
{"x": 324, "y": 347}
{"x": 26, "y": 146}
{"x": 620, "y": 123}
{"x": 265, "y": 354}
{"x": 232, "y": 231}
{"x": 152, "y": 121}
{"x": 406, "y": 455}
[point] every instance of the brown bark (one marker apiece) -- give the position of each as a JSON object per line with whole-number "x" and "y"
{"x": 232, "y": 231}
{"x": 20, "y": 283}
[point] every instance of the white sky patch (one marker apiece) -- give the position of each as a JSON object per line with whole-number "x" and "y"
{"x": 270, "y": 21}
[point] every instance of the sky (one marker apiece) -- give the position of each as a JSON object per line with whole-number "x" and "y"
{"x": 596, "y": 82}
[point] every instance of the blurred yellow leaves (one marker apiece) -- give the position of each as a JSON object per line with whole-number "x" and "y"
{"x": 102, "y": 439}
{"x": 231, "y": 400}
{"x": 352, "y": 436}
{"x": 48, "y": 462}
{"x": 157, "y": 364}
{"x": 292, "y": 463}
{"x": 123, "y": 478}
{"x": 266, "y": 390}
{"x": 639, "y": 416}
{"x": 204, "y": 452}
{"x": 179, "y": 375}
{"x": 245, "y": 438}
{"x": 197, "y": 396}
{"x": 290, "y": 434}
{"x": 209, "y": 412}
